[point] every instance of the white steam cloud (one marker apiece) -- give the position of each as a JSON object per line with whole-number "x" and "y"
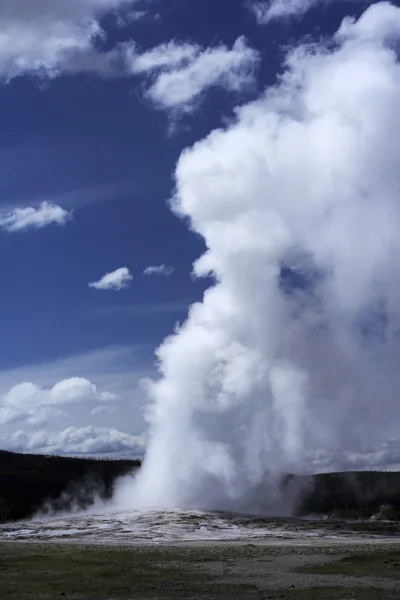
{"x": 294, "y": 351}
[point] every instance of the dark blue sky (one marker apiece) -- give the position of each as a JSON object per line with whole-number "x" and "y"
{"x": 97, "y": 146}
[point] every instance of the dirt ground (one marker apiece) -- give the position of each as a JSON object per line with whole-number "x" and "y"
{"x": 294, "y": 567}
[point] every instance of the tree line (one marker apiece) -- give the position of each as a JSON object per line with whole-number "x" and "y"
{"x": 31, "y": 483}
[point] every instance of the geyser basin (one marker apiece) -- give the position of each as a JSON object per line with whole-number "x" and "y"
{"x": 164, "y": 527}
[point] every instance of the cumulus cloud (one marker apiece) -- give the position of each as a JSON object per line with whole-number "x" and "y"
{"x": 116, "y": 369}
{"x": 159, "y": 270}
{"x": 294, "y": 350}
{"x": 21, "y": 219}
{"x": 36, "y": 405}
{"x": 48, "y": 37}
{"x": 181, "y": 73}
{"x": 116, "y": 280}
{"x": 77, "y": 440}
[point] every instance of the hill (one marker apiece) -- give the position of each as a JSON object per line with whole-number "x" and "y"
{"x": 352, "y": 495}
{"x": 29, "y": 483}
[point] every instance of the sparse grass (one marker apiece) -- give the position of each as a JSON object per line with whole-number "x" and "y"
{"x": 379, "y": 564}
{"x": 333, "y": 593}
{"x": 38, "y": 572}
{"x": 48, "y": 572}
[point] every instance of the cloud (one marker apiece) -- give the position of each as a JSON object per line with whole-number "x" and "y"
{"x": 170, "y": 55}
{"x": 117, "y": 369}
{"x": 380, "y": 21}
{"x": 381, "y": 457}
{"x": 272, "y": 10}
{"x": 265, "y": 12}
{"x": 294, "y": 349}
{"x": 77, "y": 389}
{"x": 66, "y": 37}
{"x": 47, "y": 37}
{"x": 21, "y": 219}
{"x": 181, "y": 73}
{"x": 109, "y": 410}
{"x": 109, "y": 367}
{"x": 34, "y": 416}
{"x": 77, "y": 440}
{"x": 159, "y": 270}
{"x": 36, "y": 405}
{"x": 116, "y": 280}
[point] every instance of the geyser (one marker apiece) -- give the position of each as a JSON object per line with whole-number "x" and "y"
{"x": 290, "y": 362}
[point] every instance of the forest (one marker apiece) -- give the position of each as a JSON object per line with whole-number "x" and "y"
{"x": 32, "y": 484}
{"x": 350, "y": 495}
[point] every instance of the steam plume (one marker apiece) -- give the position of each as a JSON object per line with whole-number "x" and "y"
{"x": 293, "y": 353}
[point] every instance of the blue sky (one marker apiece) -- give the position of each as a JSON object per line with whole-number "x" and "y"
{"x": 98, "y": 147}
{"x": 97, "y": 143}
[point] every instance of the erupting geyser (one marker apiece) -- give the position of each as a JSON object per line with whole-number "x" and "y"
{"x": 291, "y": 360}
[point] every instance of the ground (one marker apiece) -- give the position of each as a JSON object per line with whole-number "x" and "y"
{"x": 40, "y": 571}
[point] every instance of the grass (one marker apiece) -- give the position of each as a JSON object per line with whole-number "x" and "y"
{"x": 38, "y": 572}
{"x": 379, "y": 564}
{"x": 49, "y": 572}
{"x": 333, "y": 593}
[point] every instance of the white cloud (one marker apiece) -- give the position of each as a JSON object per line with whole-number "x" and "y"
{"x": 181, "y": 73}
{"x": 21, "y": 219}
{"x": 77, "y": 389}
{"x": 379, "y": 21}
{"x": 116, "y": 280}
{"x": 36, "y": 405}
{"x": 382, "y": 456}
{"x": 159, "y": 270}
{"x": 271, "y": 10}
{"x": 108, "y": 367}
{"x": 294, "y": 349}
{"x": 166, "y": 56}
{"x": 117, "y": 369}
{"x": 281, "y": 9}
{"x": 77, "y": 440}
{"x": 52, "y": 36}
